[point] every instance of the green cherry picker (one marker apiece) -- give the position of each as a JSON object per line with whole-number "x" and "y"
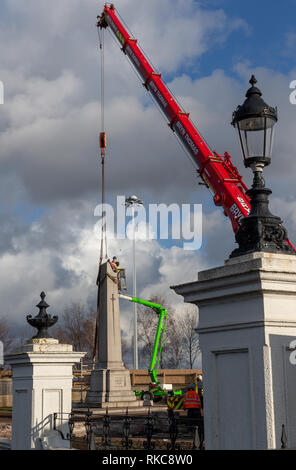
{"x": 156, "y": 392}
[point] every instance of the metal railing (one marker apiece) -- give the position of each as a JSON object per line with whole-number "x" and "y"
{"x": 106, "y": 432}
{"x": 131, "y": 431}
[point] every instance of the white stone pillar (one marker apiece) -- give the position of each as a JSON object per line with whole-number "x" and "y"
{"x": 247, "y": 320}
{"x": 42, "y": 385}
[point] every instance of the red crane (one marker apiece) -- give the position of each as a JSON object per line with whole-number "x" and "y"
{"x": 217, "y": 171}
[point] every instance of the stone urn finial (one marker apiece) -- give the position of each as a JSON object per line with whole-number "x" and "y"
{"x": 43, "y": 320}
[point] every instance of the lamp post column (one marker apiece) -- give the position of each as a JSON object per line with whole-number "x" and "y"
{"x": 131, "y": 202}
{"x": 135, "y": 294}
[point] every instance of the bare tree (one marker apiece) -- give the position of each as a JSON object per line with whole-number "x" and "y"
{"x": 187, "y": 323}
{"x": 147, "y": 325}
{"x": 89, "y": 331}
{"x": 5, "y": 333}
{"x": 76, "y": 327}
{"x": 125, "y": 348}
{"x": 174, "y": 348}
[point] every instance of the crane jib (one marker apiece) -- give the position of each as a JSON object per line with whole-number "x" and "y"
{"x": 181, "y": 131}
{"x": 219, "y": 174}
{"x": 227, "y": 188}
{"x": 133, "y": 57}
{"x": 158, "y": 95}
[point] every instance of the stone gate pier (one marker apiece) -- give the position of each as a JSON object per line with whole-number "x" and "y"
{"x": 42, "y": 387}
{"x": 247, "y": 331}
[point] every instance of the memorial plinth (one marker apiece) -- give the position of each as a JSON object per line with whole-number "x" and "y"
{"x": 247, "y": 322}
{"x": 110, "y": 384}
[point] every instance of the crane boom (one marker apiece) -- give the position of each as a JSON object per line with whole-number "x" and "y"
{"x": 217, "y": 172}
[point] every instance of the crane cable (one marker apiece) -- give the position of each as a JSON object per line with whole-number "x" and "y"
{"x": 102, "y": 142}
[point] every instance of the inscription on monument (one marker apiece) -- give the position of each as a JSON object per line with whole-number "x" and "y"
{"x": 119, "y": 380}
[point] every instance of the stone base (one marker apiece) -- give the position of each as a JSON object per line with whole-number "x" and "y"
{"x": 247, "y": 331}
{"x": 5, "y": 444}
{"x": 111, "y": 388}
{"x": 52, "y": 440}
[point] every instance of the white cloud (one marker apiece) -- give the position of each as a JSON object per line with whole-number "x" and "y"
{"x": 67, "y": 271}
{"x": 51, "y": 118}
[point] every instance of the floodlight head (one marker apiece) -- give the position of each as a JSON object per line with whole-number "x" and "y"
{"x": 133, "y": 200}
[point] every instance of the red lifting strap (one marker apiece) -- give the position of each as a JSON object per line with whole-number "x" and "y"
{"x": 103, "y": 140}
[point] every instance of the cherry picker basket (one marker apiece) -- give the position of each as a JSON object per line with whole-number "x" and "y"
{"x": 121, "y": 279}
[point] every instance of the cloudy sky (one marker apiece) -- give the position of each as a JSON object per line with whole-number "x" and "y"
{"x": 49, "y": 123}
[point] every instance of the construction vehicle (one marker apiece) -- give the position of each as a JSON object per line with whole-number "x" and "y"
{"x": 217, "y": 171}
{"x": 156, "y": 392}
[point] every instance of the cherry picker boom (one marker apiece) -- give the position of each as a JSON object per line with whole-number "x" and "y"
{"x": 218, "y": 172}
{"x": 156, "y": 392}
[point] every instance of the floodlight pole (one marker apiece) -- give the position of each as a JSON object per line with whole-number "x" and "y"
{"x": 131, "y": 202}
{"x": 136, "y": 364}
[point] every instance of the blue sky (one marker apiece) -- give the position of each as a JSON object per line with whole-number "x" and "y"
{"x": 267, "y": 39}
{"x": 265, "y": 42}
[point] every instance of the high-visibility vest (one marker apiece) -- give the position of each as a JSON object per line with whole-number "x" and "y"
{"x": 192, "y": 399}
{"x": 175, "y": 403}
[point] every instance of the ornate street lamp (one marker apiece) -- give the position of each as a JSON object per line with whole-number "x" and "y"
{"x": 260, "y": 230}
{"x": 255, "y": 122}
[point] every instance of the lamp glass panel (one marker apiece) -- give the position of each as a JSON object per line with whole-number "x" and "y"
{"x": 256, "y": 136}
{"x": 253, "y": 143}
{"x": 269, "y": 137}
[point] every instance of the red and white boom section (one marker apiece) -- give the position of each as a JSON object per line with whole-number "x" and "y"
{"x": 217, "y": 172}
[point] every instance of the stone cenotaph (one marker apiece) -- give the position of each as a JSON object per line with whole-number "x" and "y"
{"x": 110, "y": 383}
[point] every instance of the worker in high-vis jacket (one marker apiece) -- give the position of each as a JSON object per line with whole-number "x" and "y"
{"x": 115, "y": 264}
{"x": 192, "y": 402}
